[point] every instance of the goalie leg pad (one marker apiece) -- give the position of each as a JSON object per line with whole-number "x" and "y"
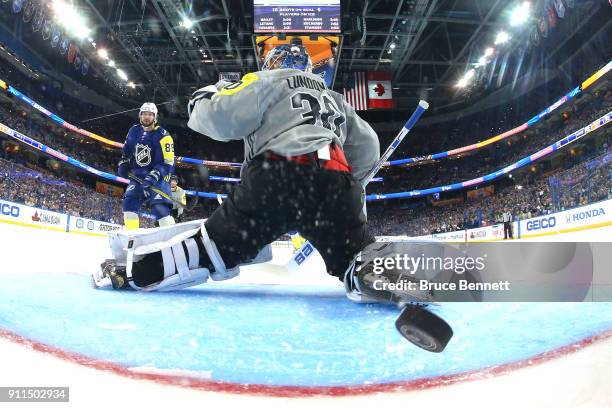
{"x": 150, "y": 257}
{"x": 173, "y": 257}
{"x": 220, "y": 271}
{"x": 173, "y": 267}
{"x": 118, "y": 240}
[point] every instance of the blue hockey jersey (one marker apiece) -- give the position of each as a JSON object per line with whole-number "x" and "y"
{"x": 148, "y": 151}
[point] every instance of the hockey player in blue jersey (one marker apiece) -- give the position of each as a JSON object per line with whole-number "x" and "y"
{"x": 148, "y": 154}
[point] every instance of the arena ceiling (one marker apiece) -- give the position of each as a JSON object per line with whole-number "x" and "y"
{"x": 434, "y": 43}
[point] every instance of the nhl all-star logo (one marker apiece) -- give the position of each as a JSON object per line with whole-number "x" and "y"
{"x": 143, "y": 155}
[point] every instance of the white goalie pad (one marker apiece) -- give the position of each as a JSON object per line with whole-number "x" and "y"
{"x": 181, "y": 267}
{"x": 180, "y": 254}
{"x": 151, "y": 240}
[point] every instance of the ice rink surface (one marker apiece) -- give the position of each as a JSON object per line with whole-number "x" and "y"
{"x": 269, "y": 336}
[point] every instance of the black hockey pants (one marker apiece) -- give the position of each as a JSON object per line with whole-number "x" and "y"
{"x": 276, "y": 196}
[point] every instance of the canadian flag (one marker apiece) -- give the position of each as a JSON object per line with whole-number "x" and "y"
{"x": 379, "y": 90}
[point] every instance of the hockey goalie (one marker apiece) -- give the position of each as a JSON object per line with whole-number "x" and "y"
{"x": 305, "y": 153}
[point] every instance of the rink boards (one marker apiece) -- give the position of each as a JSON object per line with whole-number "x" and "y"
{"x": 29, "y": 216}
{"x": 583, "y": 218}
{"x": 577, "y": 219}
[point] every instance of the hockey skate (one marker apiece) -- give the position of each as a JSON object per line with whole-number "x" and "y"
{"x": 368, "y": 281}
{"x": 110, "y": 275}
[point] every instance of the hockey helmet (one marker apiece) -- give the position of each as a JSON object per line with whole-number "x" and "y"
{"x": 288, "y": 56}
{"x": 148, "y": 107}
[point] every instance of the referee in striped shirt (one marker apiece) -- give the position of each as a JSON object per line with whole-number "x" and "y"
{"x": 507, "y": 218}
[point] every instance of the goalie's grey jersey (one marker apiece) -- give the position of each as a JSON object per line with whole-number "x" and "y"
{"x": 288, "y": 112}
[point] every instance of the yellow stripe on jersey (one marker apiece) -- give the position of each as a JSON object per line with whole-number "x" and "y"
{"x": 246, "y": 80}
{"x": 167, "y": 146}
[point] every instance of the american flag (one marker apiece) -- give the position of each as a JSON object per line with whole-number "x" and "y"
{"x": 357, "y": 92}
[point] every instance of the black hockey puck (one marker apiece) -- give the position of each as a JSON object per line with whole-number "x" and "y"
{"x": 423, "y": 328}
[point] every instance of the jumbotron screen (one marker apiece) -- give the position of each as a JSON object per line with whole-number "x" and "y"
{"x": 298, "y": 16}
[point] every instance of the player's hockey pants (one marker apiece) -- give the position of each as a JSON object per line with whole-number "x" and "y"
{"x": 276, "y": 196}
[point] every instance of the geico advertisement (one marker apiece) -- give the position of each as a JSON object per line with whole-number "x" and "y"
{"x": 591, "y": 214}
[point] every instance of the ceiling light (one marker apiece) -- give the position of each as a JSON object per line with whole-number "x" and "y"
{"x": 122, "y": 75}
{"x": 80, "y": 30}
{"x": 102, "y": 53}
{"x": 520, "y": 14}
{"x": 187, "y": 23}
{"x": 463, "y": 82}
{"x": 111, "y": 63}
{"x": 502, "y": 37}
{"x": 67, "y": 16}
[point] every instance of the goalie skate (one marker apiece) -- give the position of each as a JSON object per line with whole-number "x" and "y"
{"x": 368, "y": 281}
{"x": 109, "y": 275}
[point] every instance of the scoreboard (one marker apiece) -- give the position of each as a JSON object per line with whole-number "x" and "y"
{"x": 302, "y": 16}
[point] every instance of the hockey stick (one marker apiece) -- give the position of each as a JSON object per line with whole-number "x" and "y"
{"x": 307, "y": 249}
{"x": 161, "y": 193}
{"x": 416, "y": 115}
{"x": 194, "y": 202}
